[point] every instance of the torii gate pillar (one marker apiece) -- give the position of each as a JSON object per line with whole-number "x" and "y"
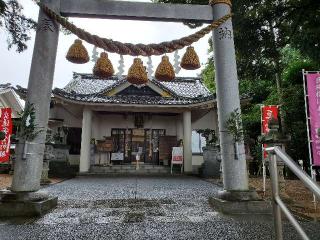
{"x": 27, "y": 172}
{"x": 235, "y": 177}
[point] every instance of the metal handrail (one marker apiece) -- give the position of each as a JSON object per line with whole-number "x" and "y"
{"x": 277, "y": 203}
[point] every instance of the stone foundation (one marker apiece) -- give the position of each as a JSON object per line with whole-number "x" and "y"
{"x": 25, "y": 204}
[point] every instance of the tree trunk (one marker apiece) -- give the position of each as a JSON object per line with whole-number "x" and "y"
{"x": 277, "y": 67}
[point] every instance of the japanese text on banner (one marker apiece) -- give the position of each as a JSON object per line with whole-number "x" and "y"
{"x": 6, "y": 127}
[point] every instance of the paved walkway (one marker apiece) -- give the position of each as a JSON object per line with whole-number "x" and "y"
{"x": 140, "y": 208}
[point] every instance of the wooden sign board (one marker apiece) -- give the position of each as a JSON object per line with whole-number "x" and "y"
{"x": 105, "y": 145}
{"x": 138, "y": 132}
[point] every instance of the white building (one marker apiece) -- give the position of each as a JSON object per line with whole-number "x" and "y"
{"x": 91, "y": 109}
{"x": 9, "y": 99}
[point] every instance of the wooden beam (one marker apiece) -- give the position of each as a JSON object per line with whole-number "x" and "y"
{"x": 136, "y": 11}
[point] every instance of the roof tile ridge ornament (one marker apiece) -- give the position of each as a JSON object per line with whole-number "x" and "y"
{"x": 213, "y": 2}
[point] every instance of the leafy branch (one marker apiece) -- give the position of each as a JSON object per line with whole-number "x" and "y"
{"x": 26, "y": 126}
{"x": 234, "y": 125}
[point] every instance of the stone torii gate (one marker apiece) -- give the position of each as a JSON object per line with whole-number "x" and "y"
{"x": 28, "y": 171}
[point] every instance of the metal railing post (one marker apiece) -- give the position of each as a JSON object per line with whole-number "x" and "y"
{"x": 277, "y": 203}
{"x": 275, "y": 193}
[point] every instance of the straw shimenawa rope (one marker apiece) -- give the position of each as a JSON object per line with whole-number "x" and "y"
{"x": 112, "y": 46}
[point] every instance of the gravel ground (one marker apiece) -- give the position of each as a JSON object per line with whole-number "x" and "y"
{"x": 5, "y": 181}
{"x": 140, "y": 208}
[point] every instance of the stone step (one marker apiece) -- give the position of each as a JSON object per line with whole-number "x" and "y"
{"x": 129, "y": 169}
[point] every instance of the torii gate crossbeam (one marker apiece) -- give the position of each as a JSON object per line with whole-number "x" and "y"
{"x": 136, "y": 11}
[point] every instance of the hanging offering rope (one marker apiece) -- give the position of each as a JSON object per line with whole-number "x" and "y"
{"x": 112, "y": 46}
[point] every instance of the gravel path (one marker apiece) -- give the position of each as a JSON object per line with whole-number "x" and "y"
{"x": 140, "y": 208}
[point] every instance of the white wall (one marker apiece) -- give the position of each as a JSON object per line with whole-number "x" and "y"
{"x": 72, "y": 117}
{"x": 102, "y": 124}
{"x": 210, "y": 120}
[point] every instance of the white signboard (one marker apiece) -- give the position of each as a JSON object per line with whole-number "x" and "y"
{"x": 177, "y": 155}
{"x": 118, "y": 156}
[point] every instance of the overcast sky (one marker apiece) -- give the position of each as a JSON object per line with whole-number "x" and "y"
{"x": 15, "y": 67}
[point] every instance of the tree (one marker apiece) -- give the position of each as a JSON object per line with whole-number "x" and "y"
{"x": 16, "y": 24}
{"x": 263, "y": 28}
{"x": 274, "y": 39}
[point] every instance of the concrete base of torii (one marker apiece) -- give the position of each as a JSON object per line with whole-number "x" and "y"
{"x": 25, "y": 204}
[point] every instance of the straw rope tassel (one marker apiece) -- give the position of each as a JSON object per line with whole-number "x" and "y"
{"x": 77, "y": 53}
{"x": 103, "y": 67}
{"x": 190, "y": 60}
{"x": 137, "y": 73}
{"x": 133, "y": 49}
{"x": 165, "y": 71}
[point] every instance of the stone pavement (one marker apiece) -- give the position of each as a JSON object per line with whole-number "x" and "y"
{"x": 140, "y": 208}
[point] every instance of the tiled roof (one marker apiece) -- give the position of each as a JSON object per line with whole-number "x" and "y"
{"x": 87, "y": 88}
{"x": 5, "y": 87}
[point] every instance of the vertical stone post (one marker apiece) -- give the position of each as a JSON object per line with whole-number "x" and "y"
{"x": 235, "y": 176}
{"x": 27, "y": 172}
{"x": 85, "y": 140}
{"x": 187, "y": 153}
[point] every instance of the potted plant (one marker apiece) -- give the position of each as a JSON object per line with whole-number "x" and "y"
{"x": 211, "y": 154}
{"x": 211, "y": 138}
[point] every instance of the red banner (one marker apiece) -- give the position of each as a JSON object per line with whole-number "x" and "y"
{"x": 6, "y": 127}
{"x": 267, "y": 113}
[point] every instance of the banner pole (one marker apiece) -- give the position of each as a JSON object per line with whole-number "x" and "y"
{"x": 262, "y": 155}
{"x": 308, "y": 133}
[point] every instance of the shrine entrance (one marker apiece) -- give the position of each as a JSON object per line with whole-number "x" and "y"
{"x": 138, "y": 140}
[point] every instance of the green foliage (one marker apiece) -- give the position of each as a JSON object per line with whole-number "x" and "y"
{"x": 292, "y": 74}
{"x": 272, "y": 38}
{"x": 15, "y": 24}
{"x": 209, "y": 135}
{"x": 208, "y": 76}
{"x": 26, "y": 125}
{"x": 293, "y": 106}
{"x": 234, "y": 125}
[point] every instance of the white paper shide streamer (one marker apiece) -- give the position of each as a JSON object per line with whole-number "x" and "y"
{"x": 150, "y": 68}
{"x": 121, "y": 67}
{"x": 176, "y": 64}
{"x": 95, "y": 54}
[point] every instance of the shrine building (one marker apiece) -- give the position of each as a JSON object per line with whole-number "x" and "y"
{"x": 148, "y": 119}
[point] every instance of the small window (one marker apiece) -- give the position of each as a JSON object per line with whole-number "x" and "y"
{"x": 197, "y": 142}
